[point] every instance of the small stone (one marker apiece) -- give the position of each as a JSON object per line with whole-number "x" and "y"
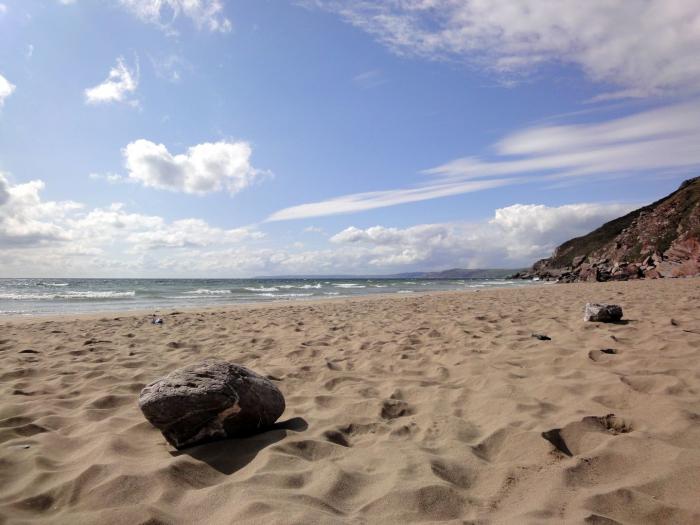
{"x": 542, "y": 337}
{"x": 211, "y": 400}
{"x": 602, "y": 313}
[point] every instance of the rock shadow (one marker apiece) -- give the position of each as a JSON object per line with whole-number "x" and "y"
{"x": 230, "y": 455}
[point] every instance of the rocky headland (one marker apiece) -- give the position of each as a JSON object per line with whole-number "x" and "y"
{"x": 658, "y": 240}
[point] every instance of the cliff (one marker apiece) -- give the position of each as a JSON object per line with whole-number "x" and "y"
{"x": 658, "y": 240}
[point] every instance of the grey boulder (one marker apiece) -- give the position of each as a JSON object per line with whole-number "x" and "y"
{"x": 602, "y": 313}
{"x": 208, "y": 401}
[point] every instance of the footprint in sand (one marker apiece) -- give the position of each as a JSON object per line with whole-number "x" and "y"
{"x": 337, "y": 437}
{"x": 600, "y": 355}
{"x": 585, "y": 435}
{"x": 452, "y": 472}
{"x": 395, "y": 408}
{"x": 345, "y": 435}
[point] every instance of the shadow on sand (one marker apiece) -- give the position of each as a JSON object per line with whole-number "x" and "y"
{"x": 230, "y": 455}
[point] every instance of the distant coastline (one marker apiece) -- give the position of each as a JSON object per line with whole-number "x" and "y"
{"x": 452, "y": 273}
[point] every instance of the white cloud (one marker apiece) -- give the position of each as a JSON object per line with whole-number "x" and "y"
{"x": 27, "y": 220}
{"x": 515, "y": 236}
{"x": 643, "y": 46}
{"x": 121, "y": 82}
{"x": 112, "y": 178}
{"x": 357, "y": 202}
{"x": 6, "y": 89}
{"x": 190, "y": 233}
{"x": 148, "y": 232}
{"x": 40, "y": 237}
{"x": 208, "y": 14}
{"x": 3, "y": 9}
{"x": 657, "y": 141}
{"x": 204, "y": 168}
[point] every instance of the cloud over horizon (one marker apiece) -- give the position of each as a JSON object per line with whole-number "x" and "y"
{"x": 36, "y": 234}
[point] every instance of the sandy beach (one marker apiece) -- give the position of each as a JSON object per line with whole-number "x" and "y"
{"x": 418, "y": 408}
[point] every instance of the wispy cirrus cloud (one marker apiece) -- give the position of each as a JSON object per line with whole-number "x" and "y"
{"x": 369, "y": 79}
{"x": 206, "y": 14}
{"x": 121, "y": 82}
{"x": 357, "y": 202}
{"x": 659, "y": 141}
{"x": 643, "y": 46}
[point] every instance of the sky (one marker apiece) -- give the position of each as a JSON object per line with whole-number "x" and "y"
{"x": 238, "y": 138}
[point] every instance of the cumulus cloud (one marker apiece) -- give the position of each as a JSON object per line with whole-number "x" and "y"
{"x": 643, "y": 46}
{"x": 27, "y": 220}
{"x": 46, "y": 237}
{"x": 141, "y": 232}
{"x": 204, "y": 168}
{"x": 6, "y": 89}
{"x": 121, "y": 82}
{"x": 658, "y": 141}
{"x": 207, "y": 14}
{"x": 40, "y": 236}
{"x": 515, "y": 236}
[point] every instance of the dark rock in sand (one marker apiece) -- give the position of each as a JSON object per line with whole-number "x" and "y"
{"x": 602, "y": 313}
{"x": 209, "y": 401}
{"x": 542, "y": 337}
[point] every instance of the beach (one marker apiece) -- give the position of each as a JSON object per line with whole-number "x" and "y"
{"x": 422, "y": 407}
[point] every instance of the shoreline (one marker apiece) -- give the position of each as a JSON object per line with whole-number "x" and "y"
{"x": 247, "y": 305}
{"x": 430, "y": 407}
{"x": 38, "y": 298}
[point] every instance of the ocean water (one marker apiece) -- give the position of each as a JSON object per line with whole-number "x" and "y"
{"x": 65, "y": 296}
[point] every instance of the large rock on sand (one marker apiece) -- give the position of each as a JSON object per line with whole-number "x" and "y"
{"x": 210, "y": 400}
{"x": 602, "y": 313}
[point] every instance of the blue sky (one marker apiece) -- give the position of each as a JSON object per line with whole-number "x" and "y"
{"x": 237, "y": 138}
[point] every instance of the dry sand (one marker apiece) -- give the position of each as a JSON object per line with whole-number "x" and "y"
{"x": 426, "y": 408}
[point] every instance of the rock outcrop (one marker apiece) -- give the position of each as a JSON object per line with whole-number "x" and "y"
{"x": 210, "y": 400}
{"x": 659, "y": 240}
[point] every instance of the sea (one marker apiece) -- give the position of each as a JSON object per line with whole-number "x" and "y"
{"x": 20, "y": 297}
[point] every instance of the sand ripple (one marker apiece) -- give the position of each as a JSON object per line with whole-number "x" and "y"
{"x": 428, "y": 408}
